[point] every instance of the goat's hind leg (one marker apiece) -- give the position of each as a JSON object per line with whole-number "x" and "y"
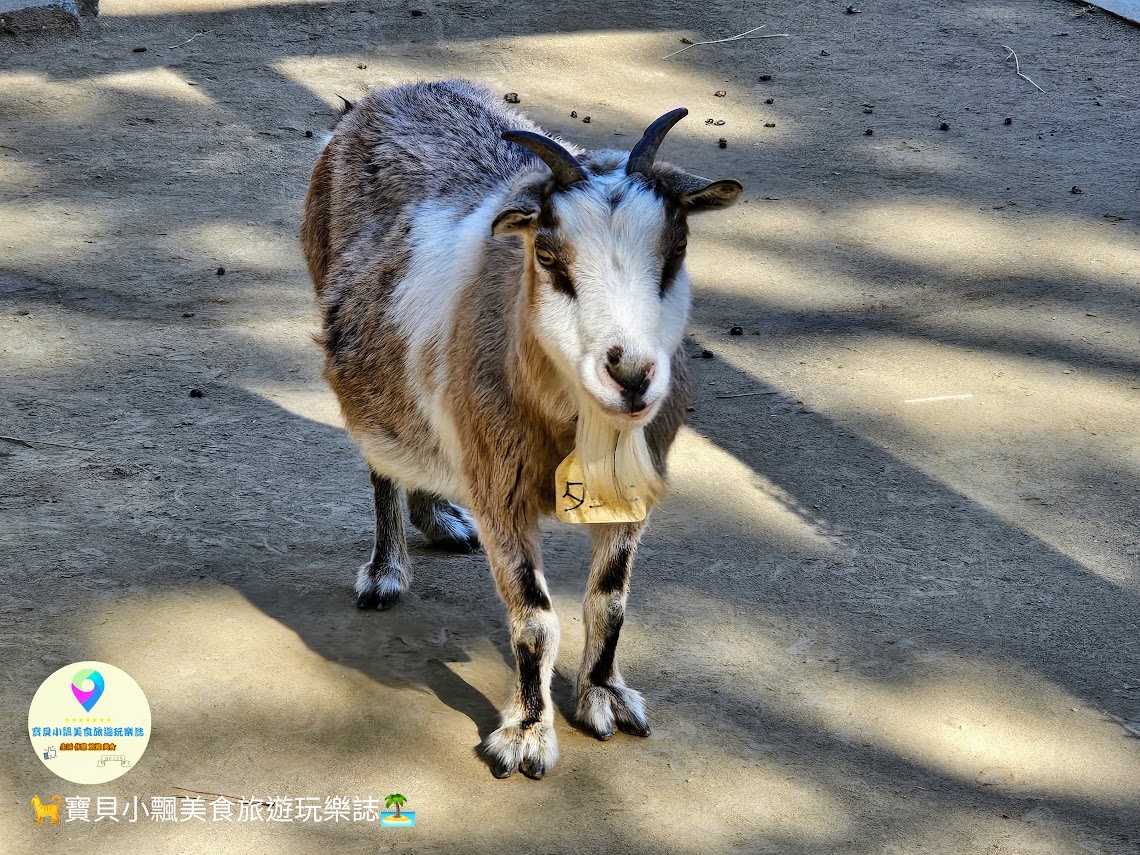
{"x": 387, "y": 574}
{"x": 603, "y": 697}
{"x": 446, "y": 526}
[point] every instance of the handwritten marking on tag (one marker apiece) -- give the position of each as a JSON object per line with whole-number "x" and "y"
{"x": 574, "y": 504}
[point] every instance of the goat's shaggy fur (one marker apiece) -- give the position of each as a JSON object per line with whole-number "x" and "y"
{"x": 481, "y": 319}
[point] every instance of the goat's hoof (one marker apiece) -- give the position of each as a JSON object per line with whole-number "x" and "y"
{"x": 634, "y": 728}
{"x": 502, "y": 769}
{"x": 377, "y": 593}
{"x": 379, "y": 600}
{"x": 447, "y": 527}
{"x": 600, "y": 708}
{"x": 533, "y": 751}
{"x": 533, "y": 768}
{"x": 460, "y": 546}
{"x": 386, "y": 599}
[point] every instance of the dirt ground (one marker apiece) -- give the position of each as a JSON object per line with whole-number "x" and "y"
{"x": 893, "y": 603}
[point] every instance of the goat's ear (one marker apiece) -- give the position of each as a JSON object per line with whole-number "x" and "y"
{"x": 713, "y": 196}
{"x": 521, "y": 210}
{"x": 693, "y": 194}
{"x": 517, "y": 216}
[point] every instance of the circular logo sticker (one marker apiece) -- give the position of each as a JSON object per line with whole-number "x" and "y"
{"x": 89, "y": 722}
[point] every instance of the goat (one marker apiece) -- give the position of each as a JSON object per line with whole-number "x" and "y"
{"x": 492, "y": 300}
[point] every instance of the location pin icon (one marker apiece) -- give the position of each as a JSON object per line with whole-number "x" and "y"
{"x": 87, "y": 697}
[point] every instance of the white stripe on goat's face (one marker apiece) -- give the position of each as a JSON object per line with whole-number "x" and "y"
{"x": 612, "y": 297}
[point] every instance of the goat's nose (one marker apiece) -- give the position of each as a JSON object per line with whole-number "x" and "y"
{"x": 633, "y": 379}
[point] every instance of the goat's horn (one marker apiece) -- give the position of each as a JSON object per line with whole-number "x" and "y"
{"x": 641, "y": 158}
{"x": 566, "y": 168}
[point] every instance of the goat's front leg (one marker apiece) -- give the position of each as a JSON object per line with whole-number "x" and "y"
{"x": 603, "y": 697}
{"x": 525, "y": 739}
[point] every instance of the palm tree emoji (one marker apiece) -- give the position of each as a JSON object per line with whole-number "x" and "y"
{"x": 397, "y": 800}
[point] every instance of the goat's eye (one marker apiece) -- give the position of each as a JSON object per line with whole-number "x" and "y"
{"x": 679, "y": 249}
{"x": 545, "y": 258}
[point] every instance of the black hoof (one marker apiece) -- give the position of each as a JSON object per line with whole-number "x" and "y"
{"x": 501, "y": 770}
{"x": 604, "y": 735}
{"x": 634, "y": 729}
{"x": 459, "y": 546}
{"x": 533, "y": 769}
{"x": 376, "y": 600}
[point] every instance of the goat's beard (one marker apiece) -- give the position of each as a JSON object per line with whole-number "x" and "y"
{"x": 616, "y": 462}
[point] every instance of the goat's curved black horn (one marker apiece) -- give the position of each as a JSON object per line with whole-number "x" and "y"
{"x": 641, "y": 158}
{"x": 566, "y": 168}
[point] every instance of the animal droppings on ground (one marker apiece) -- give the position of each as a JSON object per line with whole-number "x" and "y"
{"x": 140, "y": 49}
{"x": 736, "y": 331}
{"x": 769, "y": 124}
{"x": 221, "y": 271}
{"x": 764, "y": 78}
{"x": 585, "y": 120}
{"x": 720, "y": 93}
{"x": 722, "y": 142}
{"x": 869, "y": 131}
{"x": 944, "y": 127}
{"x": 573, "y": 114}
{"x": 1008, "y": 120}
{"x": 1076, "y": 191}
{"x": 511, "y": 97}
{"x": 769, "y": 100}
{"x": 195, "y": 393}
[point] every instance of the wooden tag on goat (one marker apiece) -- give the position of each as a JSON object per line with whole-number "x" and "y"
{"x": 574, "y": 504}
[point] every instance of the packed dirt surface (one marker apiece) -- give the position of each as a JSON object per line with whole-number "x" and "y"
{"x": 892, "y": 604}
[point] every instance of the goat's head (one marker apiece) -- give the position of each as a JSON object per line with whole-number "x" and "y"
{"x": 605, "y": 246}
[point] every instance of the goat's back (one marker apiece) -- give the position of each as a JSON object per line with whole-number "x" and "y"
{"x": 399, "y": 148}
{"x": 434, "y": 140}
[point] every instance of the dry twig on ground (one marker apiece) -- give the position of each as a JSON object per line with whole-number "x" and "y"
{"x": 202, "y": 33}
{"x": 746, "y": 36}
{"x": 1017, "y": 66}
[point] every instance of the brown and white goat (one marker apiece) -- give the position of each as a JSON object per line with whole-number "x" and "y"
{"x": 491, "y": 301}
